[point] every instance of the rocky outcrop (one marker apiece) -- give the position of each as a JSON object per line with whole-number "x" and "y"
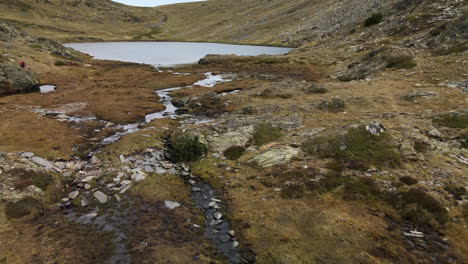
{"x": 14, "y": 79}
{"x": 275, "y": 156}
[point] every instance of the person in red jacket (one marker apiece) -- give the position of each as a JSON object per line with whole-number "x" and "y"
{"x": 22, "y": 64}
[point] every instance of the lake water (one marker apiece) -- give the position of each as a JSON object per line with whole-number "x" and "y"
{"x": 168, "y": 53}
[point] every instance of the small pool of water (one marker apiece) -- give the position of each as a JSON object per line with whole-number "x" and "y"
{"x": 168, "y": 54}
{"x": 47, "y": 88}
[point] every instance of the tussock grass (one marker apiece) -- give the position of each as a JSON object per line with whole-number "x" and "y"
{"x": 185, "y": 148}
{"x": 234, "y": 152}
{"x": 373, "y": 20}
{"x": 400, "y": 62}
{"x": 453, "y": 120}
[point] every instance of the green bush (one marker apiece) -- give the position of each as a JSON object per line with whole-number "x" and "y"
{"x": 185, "y": 148}
{"x": 60, "y": 63}
{"x": 419, "y": 207}
{"x": 234, "y": 152}
{"x": 373, "y": 20}
{"x": 358, "y": 148}
{"x": 453, "y": 120}
{"x": 265, "y": 133}
{"x": 400, "y": 62}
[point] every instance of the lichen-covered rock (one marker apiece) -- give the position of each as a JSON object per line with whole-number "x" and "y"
{"x": 14, "y": 79}
{"x": 238, "y": 137}
{"x": 275, "y": 156}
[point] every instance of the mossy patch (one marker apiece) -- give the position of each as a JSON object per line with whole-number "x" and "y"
{"x": 408, "y": 180}
{"x": 456, "y": 191}
{"x": 265, "y": 133}
{"x": 333, "y": 105}
{"x": 29, "y": 177}
{"x": 234, "y": 152}
{"x": 357, "y": 148}
{"x": 453, "y": 120}
{"x": 315, "y": 89}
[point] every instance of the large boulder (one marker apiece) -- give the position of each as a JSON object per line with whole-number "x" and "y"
{"x": 14, "y": 79}
{"x": 275, "y": 156}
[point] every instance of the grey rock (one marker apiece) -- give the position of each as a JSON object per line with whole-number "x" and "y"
{"x": 15, "y": 79}
{"x": 148, "y": 169}
{"x": 73, "y": 195}
{"x": 375, "y": 128}
{"x": 171, "y": 205}
{"x": 27, "y": 155}
{"x": 434, "y": 133}
{"x": 43, "y": 162}
{"x": 218, "y": 215}
{"x": 100, "y": 196}
{"x": 95, "y": 160}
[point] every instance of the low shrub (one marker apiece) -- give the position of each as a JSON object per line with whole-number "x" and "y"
{"x": 453, "y": 120}
{"x": 60, "y": 63}
{"x": 457, "y": 48}
{"x": 265, "y": 133}
{"x": 400, "y": 62}
{"x": 421, "y": 146}
{"x": 234, "y": 152}
{"x": 456, "y": 191}
{"x": 316, "y": 89}
{"x": 293, "y": 191}
{"x": 29, "y": 177}
{"x": 22, "y": 207}
{"x": 362, "y": 189}
{"x": 358, "y": 148}
{"x": 185, "y": 148}
{"x": 333, "y": 105}
{"x": 373, "y": 20}
{"x": 408, "y": 180}
{"x": 419, "y": 207}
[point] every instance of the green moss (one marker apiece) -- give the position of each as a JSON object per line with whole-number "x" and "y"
{"x": 453, "y": 120}
{"x": 358, "y": 148}
{"x": 373, "y": 20}
{"x": 234, "y": 152}
{"x": 22, "y": 207}
{"x": 29, "y": 177}
{"x": 400, "y": 62}
{"x": 265, "y": 133}
{"x": 185, "y": 148}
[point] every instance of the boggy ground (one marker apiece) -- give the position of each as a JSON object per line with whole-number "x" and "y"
{"x": 286, "y": 205}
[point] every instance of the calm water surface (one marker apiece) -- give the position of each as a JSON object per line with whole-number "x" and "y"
{"x": 168, "y": 53}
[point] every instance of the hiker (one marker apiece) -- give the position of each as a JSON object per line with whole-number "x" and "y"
{"x": 22, "y": 64}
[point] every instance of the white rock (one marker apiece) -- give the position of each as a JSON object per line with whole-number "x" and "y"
{"x": 117, "y": 198}
{"x": 100, "y": 196}
{"x": 125, "y": 189}
{"x": 73, "y": 195}
{"x": 87, "y": 186}
{"x": 84, "y": 202}
{"x": 27, "y": 155}
{"x": 218, "y": 215}
{"x": 171, "y": 205}
{"x": 88, "y": 179}
{"x": 95, "y": 160}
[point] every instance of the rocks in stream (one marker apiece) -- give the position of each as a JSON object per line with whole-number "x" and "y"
{"x": 100, "y": 196}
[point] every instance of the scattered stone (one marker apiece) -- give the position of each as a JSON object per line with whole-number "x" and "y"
{"x": 218, "y": 215}
{"x": 101, "y": 197}
{"x": 84, "y": 202}
{"x": 148, "y": 169}
{"x": 125, "y": 189}
{"x": 95, "y": 160}
{"x": 87, "y": 187}
{"x": 43, "y": 162}
{"x": 73, "y": 195}
{"x": 235, "y": 244}
{"x": 117, "y": 197}
{"x": 196, "y": 189}
{"x": 232, "y": 233}
{"x": 88, "y": 179}
{"x": 171, "y": 205}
